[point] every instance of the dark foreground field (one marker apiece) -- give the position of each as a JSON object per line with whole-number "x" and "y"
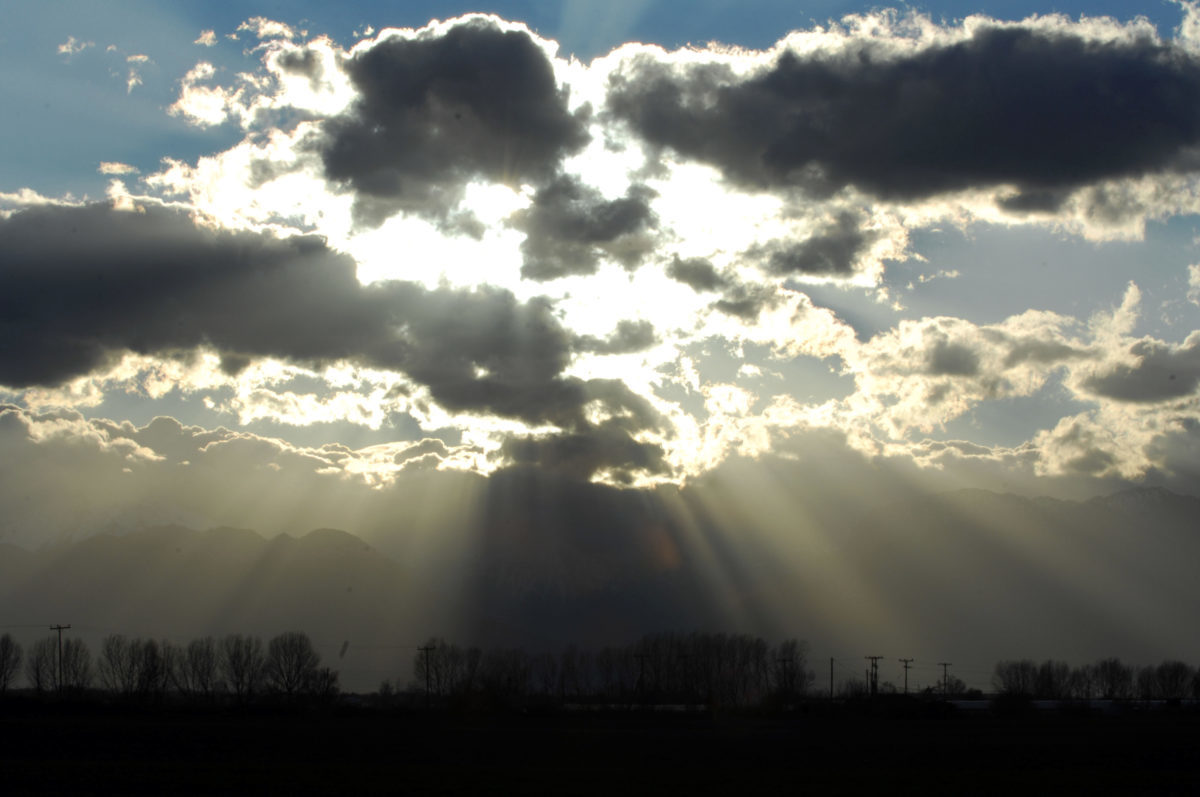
{"x": 59, "y": 750}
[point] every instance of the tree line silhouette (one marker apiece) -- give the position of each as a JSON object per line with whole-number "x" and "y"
{"x": 729, "y": 670}
{"x": 695, "y": 669}
{"x": 236, "y": 668}
{"x": 1106, "y": 679}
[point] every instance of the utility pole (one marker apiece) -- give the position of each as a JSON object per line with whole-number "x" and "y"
{"x": 874, "y": 673}
{"x": 426, "y": 651}
{"x": 945, "y": 678}
{"x": 59, "y": 629}
{"x": 907, "y": 663}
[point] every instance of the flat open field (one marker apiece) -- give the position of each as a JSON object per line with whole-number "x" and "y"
{"x": 85, "y": 751}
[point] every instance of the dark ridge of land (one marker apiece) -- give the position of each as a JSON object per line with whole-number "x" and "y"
{"x": 78, "y": 750}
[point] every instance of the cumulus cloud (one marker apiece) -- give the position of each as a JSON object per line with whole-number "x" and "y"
{"x": 465, "y": 156}
{"x": 629, "y": 336}
{"x": 441, "y": 107}
{"x": 697, "y": 273}
{"x": 747, "y": 301}
{"x": 84, "y": 285}
{"x": 1011, "y": 105}
{"x": 570, "y": 226}
{"x": 834, "y": 250}
{"x": 207, "y": 38}
{"x": 1159, "y": 372}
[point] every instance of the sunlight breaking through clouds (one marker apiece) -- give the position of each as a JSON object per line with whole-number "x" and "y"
{"x": 525, "y": 248}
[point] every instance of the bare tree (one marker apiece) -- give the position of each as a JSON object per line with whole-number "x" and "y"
{"x": 790, "y": 674}
{"x": 134, "y": 668}
{"x": 291, "y": 664}
{"x": 10, "y": 661}
{"x": 505, "y": 674}
{"x": 116, "y": 666}
{"x": 952, "y": 686}
{"x": 242, "y": 665}
{"x": 196, "y": 668}
{"x": 1114, "y": 680}
{"x": 1173, "y": 680}
{"x": 153, "y": 671}
{"x": 436, "y": 666}
{"x": 853, "y": 687}
{"x": 1018, "y": 678}
{"x": 41, "y": 666}
{"x": 1147, "y": 683}
{"x": 324, "y": 685}
{"x": 76, "y": 665}
{"x": 1053, "y": 680}
{"x": 1083, "y": 684}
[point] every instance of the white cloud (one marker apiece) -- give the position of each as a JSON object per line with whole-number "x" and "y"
{"x": 116, "y": 168}
{"x": 265, "y": 28}
{"x": 207, "y": 38}
{"x": 134, "y": 77}
{"x": 73, "y": 46}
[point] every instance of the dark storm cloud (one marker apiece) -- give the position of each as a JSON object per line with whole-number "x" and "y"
{"x": 833, "y": 251}
{"x": 79, "y": 286}
{"x": 439, "y": 110}
{"x": 1163, "y": 372}
{"x": 628, "y": 337}
{"x": 697, "y": 273}
{"x": 570, "y": 226}
{"x": 1033, "y": 201}
{"x": 1044, "y": 111}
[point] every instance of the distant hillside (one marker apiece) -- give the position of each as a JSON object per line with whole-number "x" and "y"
{"x": 174, "y": 583}
{"x": 968, "y": 576}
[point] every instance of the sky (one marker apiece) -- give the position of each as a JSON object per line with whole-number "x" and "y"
{"x": 288, "y": 265}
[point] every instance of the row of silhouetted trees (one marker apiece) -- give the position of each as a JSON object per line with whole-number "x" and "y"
{"x": 236, "y": 667}
{"x": 732, "y": 670}
{"x": 713, "y": 669}
{"x": 1109, "y": 679}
